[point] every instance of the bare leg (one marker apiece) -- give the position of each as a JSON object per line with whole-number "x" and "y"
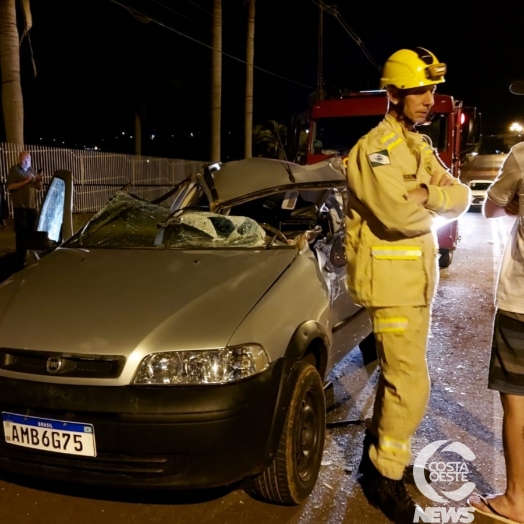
{"x": 511, "y": 502}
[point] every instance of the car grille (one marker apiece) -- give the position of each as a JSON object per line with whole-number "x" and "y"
{"x": 61, "y": 364}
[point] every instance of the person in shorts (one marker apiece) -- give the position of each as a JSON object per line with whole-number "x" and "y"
{"x": 505, "y": 196}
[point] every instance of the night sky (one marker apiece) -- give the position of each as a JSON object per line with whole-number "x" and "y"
{"x": 96, "y": 62}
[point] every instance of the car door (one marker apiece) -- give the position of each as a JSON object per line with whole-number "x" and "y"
{"x": 55, "y": 221}
{"x": 331, "y": 255}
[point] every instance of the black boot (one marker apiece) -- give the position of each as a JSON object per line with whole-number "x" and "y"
{"x": 409, "y": 475}
{"x": 366, "y": 464}
{"x": 391, "y": 497}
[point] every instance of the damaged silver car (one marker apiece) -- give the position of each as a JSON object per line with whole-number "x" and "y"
{"x": 181, "y": 345}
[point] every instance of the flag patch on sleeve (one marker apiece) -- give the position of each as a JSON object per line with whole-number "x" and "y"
{"x": 381, "y": 158}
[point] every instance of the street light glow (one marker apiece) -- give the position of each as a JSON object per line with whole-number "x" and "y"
{"x": 516, "y": 127}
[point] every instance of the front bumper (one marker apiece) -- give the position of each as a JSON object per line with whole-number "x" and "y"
{"x": 187, "y": 437}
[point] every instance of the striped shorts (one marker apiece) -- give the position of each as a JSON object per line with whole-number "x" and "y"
{"x": 506, "y": 369}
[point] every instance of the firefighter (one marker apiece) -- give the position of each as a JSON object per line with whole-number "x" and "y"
{"x": 397, "y": 188}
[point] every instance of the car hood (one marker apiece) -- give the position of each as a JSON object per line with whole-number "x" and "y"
{"x": 111, "y": 302}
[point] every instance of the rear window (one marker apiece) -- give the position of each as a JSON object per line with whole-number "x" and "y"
{"x": 480, "y": 186}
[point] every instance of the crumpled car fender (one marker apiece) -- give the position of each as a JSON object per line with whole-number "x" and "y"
{"x": 309, "y": 336}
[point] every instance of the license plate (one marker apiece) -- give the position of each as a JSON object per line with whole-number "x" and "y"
{"x": 72, "y": 438}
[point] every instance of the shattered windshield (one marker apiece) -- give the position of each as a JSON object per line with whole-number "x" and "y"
{"x": 127, "y": 222}
{"x": 205, "y": 229}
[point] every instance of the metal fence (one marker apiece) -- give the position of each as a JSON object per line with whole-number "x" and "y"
{"x": 97, "y": 174}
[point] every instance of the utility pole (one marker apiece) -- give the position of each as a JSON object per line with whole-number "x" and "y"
{"x": 320, "y": 80}
{"x": 250, "y": 53}
{"x": 216, "y": 81}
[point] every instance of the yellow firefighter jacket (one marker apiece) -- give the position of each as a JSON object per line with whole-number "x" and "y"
{"x": 391, "y": 243}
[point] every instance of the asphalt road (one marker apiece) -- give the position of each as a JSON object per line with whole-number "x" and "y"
{"x": 461, "y": 410}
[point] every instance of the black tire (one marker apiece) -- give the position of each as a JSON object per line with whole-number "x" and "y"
{"x": 446, "y": 256}
{"x": 293, "y": 473}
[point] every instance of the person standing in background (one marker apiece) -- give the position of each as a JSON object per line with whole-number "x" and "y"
{"x": 23, "y": 185}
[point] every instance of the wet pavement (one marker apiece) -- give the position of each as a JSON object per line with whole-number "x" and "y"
{"x": 461, "y": 409}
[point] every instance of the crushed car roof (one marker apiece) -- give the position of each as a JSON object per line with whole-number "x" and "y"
{"x": 238, "y": 179}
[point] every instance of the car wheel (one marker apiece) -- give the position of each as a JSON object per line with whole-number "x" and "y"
{"x": 293, "y": 473}
{"x": 446, "y": 256}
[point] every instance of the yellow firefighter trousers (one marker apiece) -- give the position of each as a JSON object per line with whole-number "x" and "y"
{"x": 404, "y": 384}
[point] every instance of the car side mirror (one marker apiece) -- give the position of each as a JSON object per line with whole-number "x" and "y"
{"x": 40, "y": 241}
{"x": 338, "y": 253}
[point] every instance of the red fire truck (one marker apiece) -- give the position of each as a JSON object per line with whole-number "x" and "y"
{"x": 335, "y": 126}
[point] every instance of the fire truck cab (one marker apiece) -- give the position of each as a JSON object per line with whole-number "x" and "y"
{"x": 336, "y": 125}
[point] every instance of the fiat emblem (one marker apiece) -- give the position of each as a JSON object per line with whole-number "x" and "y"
{"x": 53, "y": 365}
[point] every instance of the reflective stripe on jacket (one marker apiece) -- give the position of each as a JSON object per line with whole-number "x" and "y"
{"x": 391, "y": 244}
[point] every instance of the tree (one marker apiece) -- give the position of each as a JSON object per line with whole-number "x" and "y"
{"x": 12, "y": 101}
{"x": 216, "y": 81}
{"x": 250, "y": 56}
{"x": 272, "y": 139}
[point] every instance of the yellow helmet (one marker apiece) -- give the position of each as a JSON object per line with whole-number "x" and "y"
{"x": 410, "y": 68}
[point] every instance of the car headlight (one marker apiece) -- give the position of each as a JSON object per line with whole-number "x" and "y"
{"x": 214, "y": 366}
